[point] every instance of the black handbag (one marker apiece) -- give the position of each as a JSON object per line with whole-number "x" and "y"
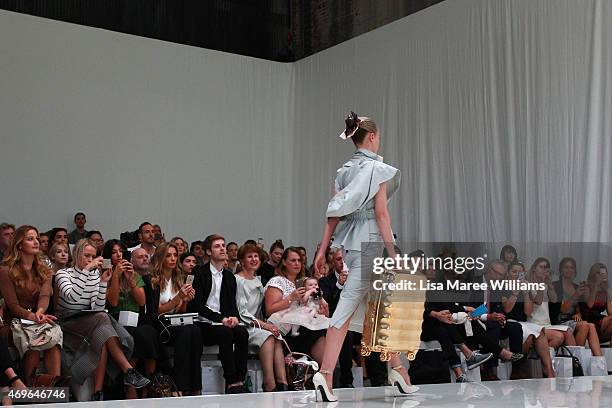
{"x": 429, "y": 367}
{"x": 577, "y": 370}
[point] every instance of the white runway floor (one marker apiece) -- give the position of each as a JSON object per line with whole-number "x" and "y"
{"x": 579, "y": 392}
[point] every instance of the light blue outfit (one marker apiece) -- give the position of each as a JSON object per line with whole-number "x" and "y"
{"x": 357, "y": 182}
{"x": 249, "y": 298}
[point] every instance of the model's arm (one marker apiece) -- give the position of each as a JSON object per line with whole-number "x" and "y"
{"x": 383, "y": 220}
{"x": 330, "y": 227}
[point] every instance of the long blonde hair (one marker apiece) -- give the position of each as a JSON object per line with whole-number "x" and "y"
{"x": 13, "y": 257}
{"x": 157, "y": 268}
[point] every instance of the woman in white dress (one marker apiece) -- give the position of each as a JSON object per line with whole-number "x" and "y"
{"x": 540, "y": 315}
{"x": 363, "y": 186}
{"x": 264, "y": 338}
{"x": 517, "y": 305}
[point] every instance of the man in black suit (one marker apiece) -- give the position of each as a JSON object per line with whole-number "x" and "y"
{"x": 215, "y": 301}
{"x": 495, "y": 320}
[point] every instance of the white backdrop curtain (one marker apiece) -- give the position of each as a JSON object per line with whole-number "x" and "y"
{"x": 129, "y": 129}
{"x": 496, "y": 111}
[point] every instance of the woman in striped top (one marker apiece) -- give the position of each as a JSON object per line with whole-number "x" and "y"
{"x": 83, "y": 288}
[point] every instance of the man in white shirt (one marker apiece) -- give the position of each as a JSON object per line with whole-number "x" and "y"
{"x": 215, "y": 302}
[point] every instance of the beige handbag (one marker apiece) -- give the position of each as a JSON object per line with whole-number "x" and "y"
{"x": 393, "y": 318}
{"x": 35, "y": 336}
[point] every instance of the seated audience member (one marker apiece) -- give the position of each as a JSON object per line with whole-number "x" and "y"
{"x": 7, "y": 231}
{"x": 158, "y": 235}
{"x": 59, "y": 258}
{"x": 565, "y": 311}
{"x": 96, "y": 238}
{"x": 43, "y": 238}
{"x": 508, "y": 254}
{"x": 197, "y": 248}
{"x": 79, "y": 232}
{"x": 25, "y": 283}
{"x": 268, "y": 269}
{"x": 126, "y": 293}
{"x": 59, "y": 255}
{"x": 83, "y": 287}
{"x": 145, "y": 236}
{"x": 59, "y": 235}
{"x": 262, "y": 335}
{"x": 598, "y": 301}
{"x": 497, "y": 326}
{"x": 181, "y": 245}
{"x": 141, "y": 263}
{"x": 187, "y": 263}
{"x": 215, "y": 301}
{"x": 171, "y": 295}
{"x": 517, "y": 305}
{"x": 304, "y": 257}
{"x": 281, "y": 292}
{"x": 440, "y": 320}
{"x": 540, "y": 315}
{"x": 232, "y": 256}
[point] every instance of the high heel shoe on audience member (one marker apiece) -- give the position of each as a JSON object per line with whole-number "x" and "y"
{"x": 321, "y": 385}
{"x": 399, "y": 384}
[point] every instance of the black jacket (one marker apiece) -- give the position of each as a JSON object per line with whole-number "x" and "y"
{"x": 202, "y": 284}
{"x": 331, "y": 293}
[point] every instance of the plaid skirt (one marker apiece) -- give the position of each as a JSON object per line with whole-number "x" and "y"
{"x": 84, "y": 337}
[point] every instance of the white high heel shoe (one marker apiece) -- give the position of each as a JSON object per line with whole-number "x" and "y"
{"x": 399, "y": 384}
{"x": 321, "y": 385}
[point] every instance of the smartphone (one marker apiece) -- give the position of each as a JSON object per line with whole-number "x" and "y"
{"x": 127, "y": 255}
{"x": 190, "y": 279}
{"x": 157, "y": 237}
{"x": 106, "y": 264}
{"x": 299, "y": 283}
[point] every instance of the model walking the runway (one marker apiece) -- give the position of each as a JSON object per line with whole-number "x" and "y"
{"x": 363, "y": 186}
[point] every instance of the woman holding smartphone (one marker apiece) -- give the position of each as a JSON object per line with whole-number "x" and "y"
{"x": 598, "y": 301}
{"x": 363, "y": 186}
{"x": 567, "y": 311}
{"x": 171, "y": 294}
{"x": 126, "y": 294}
{"x": 82, "y": 298}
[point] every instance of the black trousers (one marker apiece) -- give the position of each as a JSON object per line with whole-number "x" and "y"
{"x": 5, "y": 362}
{"x": 233, "y": 349}
{"x": 512, "y": 331}
{"x": 376, "y": 369}
{"x": 187, "y": 370}
{"x": 480, "y": 337}
{"x": 448, "y": 336}
{"x": 346, "y": 357}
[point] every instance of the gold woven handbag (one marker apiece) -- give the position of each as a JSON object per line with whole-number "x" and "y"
{"x": 394, "y": 317}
